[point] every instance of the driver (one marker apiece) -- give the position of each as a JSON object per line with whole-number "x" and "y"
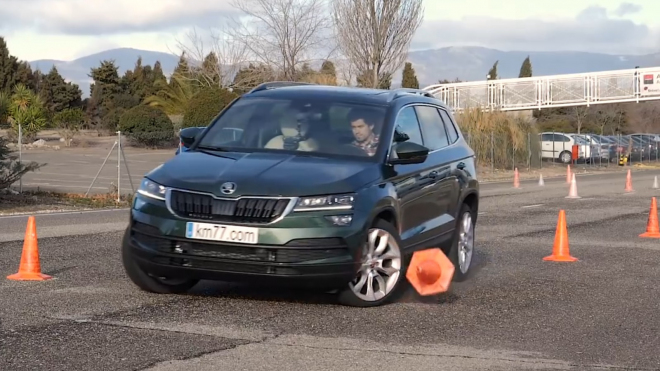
{"x": 294, "y": 134}
{"x": 363, "y": 122}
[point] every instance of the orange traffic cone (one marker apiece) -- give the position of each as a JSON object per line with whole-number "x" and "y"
{"x": 568, "y": 174}
{"x": 652, "y": 227}
{"x": 572, "y": 193}
{"x": 516, "y": 178}
{"x": 30, "y": 268}
{"x": 430, "y": 272}
{"x": 629, "y": 187}
{"x": 560, "y": 250}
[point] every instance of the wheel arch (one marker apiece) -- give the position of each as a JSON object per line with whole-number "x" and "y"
{"x": 471, "y": 198}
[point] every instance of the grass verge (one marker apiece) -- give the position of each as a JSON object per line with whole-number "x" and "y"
{"x": 42, "y": 201}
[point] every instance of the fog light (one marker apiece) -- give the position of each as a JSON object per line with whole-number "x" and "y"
{"x": 340, "y": 220}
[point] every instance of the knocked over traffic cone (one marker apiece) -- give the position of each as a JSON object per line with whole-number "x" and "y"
{"x": 572, "y": 193}
{"x": 516, "y": 178}
{"x": 30, "y": 268}
{"x": 652, "y": 227}
{"x": 560, "y": 250}
{"x": 541, "y": 182}
{"x": 430, "y": 272}
{"x": 655, "y": 183}
{"x": 629, "y": 187}
{"x": 568, "y": 174}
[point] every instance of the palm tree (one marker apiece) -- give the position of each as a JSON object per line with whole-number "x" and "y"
{"x": 26, "y": 109}
{"x": 172, "y": 98}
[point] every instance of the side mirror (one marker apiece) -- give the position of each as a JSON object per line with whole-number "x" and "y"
{"x": 188, "y": 135}
{"x": 409, "y": 153}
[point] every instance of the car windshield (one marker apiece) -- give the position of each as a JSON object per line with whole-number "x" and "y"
{"x": 297, "y": 126}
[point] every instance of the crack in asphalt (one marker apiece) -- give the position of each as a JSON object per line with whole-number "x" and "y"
{"x": 271, "y": 339}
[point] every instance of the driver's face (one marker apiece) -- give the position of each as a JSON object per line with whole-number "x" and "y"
{"x": 361, "y": 130}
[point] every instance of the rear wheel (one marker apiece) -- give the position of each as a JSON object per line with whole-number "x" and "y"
{"x": 462, "y": 249}
{"x": 382, "y": 269}
{"x": 150, "y": 282}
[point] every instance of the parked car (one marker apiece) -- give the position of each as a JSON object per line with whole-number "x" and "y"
{"x": 297, "y": 200}
{"x": 559, "y": 146}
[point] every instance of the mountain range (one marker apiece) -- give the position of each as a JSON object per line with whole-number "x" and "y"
{"x": 465, "y": 63}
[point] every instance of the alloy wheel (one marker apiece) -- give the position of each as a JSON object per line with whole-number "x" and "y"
{"x": 381, "y": 267}
{"x": 465, "y": 242}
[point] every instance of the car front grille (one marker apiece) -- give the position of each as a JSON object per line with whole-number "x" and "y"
{"x": 242, "y": 210}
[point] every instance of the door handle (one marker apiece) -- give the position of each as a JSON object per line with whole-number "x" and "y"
{"x": 433, "y": 174}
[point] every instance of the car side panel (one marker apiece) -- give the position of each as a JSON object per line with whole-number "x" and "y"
{"x": 416, "y": 192}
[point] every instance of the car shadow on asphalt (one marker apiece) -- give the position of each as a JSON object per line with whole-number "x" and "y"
{"x": 314, "y": 296}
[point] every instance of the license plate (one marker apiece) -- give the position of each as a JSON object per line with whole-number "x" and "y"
{"x": 224, "y": 233}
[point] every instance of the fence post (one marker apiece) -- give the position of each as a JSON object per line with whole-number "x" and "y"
{"x": 492, "y": 152}
{"x": 20, "y": 156}
{"x": 119, "y": 166}
{"x": 529, "y": 151}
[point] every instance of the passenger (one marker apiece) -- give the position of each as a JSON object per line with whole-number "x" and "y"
{"x": 363, "y": 123}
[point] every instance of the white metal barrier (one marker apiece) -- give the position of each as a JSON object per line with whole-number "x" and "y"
{"x": 619, "y": 86}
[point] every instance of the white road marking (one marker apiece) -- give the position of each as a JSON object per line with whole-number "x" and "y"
{"x": 55, "y": 213}
{"x": 529, "y": 206}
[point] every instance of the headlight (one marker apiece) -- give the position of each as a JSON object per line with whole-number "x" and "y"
{"x": 152, "y": 189}
{"x": 332, "y": 202}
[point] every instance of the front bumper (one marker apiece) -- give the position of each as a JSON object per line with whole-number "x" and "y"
{"x": 316, "y": 256}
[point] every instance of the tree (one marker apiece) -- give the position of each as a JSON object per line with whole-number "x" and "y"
{"x": 408, "y": 77}
{"x": 249, "y": 77}
{"x": 57, "y": 94}
{"x": 206, "y": 105}
{"x": 11, "y": 170}
{"x": 172, "y": 98}
{"x": 492, "y": 73}
{"x": 526, "y": 68}
{"x": 229, "y": 53}
{"x": 328, "y": 73}
{"x": 68, "y": 123}
{"x": 375, "y": 35}
{"x": 27, "y": 111}
{"x": 283, "y": 34}
{"x": 8, "y": 67}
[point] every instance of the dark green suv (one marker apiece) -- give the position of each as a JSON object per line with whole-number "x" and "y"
{"x": 326, "y": 187}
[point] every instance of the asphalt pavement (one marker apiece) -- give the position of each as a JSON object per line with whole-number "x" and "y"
{"x": 94, "y": 169}
{"x": 517, "y": 312}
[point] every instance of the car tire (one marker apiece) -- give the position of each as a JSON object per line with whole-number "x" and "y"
{"x": 461, "y": 253}
{"x": 356, "y": 294}
{"x": 147, "y": 282}
{"x": 565, "y": 157}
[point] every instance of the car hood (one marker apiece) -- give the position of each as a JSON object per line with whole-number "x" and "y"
{"x": 264, "y": 174}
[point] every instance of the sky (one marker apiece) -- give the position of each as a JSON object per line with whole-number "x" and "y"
{"x": 69, "y": 29}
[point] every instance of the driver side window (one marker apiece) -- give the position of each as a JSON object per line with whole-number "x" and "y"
{"x": 407, "y": 123}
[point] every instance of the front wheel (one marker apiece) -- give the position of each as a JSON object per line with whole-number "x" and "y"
{"x": 382, "y": 269}
{"x": 462, "y": 249}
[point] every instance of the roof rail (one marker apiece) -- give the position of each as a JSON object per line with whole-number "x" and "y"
{"x": 396, "y": 93}
{"x": 277, "y": 84}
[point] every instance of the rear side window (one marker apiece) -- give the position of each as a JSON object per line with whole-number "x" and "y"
{"x": 435, "y": 136}
{"x": 449, "y": 124}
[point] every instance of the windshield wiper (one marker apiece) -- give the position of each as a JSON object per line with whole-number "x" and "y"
{"x": 213, "y": 151}
{"x": 214, "y": 148}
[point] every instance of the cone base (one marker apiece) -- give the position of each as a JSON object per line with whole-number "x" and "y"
{"x": 650, "y": 235}
{"x": 560, "y": 258}
{"x": 29, "y": 277}
{"x": 572, "y": 197}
